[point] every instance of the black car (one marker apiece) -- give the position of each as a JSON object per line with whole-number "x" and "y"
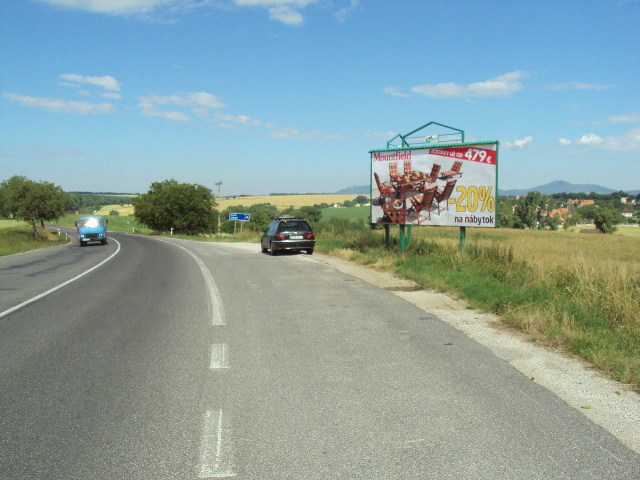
{"x": 288, "y": 233}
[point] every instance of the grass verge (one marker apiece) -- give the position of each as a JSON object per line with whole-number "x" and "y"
{"x": 18, "y": 237}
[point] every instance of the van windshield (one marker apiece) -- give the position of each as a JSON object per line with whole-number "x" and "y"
{"x": 90, "y": 222}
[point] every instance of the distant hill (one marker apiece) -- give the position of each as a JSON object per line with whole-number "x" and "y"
{"x": 364, "y": 190}
{"x": 560, "y": 186}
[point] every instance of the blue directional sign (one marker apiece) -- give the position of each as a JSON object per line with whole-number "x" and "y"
{"x": 243, "y": 217}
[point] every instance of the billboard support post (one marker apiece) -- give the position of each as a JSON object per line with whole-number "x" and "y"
{"x": 463, "y": 239}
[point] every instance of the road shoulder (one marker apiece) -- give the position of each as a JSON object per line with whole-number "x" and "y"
{"x": 613, "y": 406}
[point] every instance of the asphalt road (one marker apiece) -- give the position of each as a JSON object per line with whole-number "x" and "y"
{"x": 184, "y": 360}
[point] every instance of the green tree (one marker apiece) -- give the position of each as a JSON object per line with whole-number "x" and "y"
{"x": 606, "y": 220}
{"x": 361, "y": 200}
{"x": 530, "y": 210}
{"x": 33, "y": 202}
{"x": 506, "y": 218}
{"x": 187, "y": 208}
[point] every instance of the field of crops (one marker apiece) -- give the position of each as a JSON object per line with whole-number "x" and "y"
{"x": 280, "y": 201}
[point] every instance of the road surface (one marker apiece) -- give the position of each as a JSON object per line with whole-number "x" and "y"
{"x": 182, "y": 360}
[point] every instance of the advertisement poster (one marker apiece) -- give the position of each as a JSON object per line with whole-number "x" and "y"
{"x": 450, "y": 185}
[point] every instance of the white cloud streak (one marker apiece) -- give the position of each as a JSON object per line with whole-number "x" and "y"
{"x": 629, "y": 141}
{"x": 396, "y": 92}
{"x": 501, "y": 86}
{"x": 288, "y": 12}
{"x": 625, "y": 118}
{"x": 58, "y": 105}
{"x": 106, "y": 82}
{"x": 579, "y": 86}
{"x": 114, "y": 7}
{"x": 199, "y": 102}
{"x": 518, "y": 144}
{"x": 343, "y": 14}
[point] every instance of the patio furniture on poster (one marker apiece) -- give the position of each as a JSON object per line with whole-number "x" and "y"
{"x": 443, "y": 194}
{"x": 386, "y": 190}
{"x": 431, "y": 177}
{"x": 423, "y": 201}
{"x": 455, "y": 171}
{"x": 393, "y": 171}
{"x": 394, "y": 210}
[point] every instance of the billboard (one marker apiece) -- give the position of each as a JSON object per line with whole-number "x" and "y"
{"x": 452, "y": 185}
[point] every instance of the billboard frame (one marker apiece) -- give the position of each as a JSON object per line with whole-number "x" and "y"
{"x": 395, "y": 196}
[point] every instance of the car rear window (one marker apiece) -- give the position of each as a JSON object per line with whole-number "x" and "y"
{"x": 285, "y": 226}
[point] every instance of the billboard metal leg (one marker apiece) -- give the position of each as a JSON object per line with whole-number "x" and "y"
{"x": 386, "y": 234}
{"x": 402, "y": 237}
{"x": 463, "y": 239}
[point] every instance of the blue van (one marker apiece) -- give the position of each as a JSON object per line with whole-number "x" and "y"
{"x": 92, "y": 229}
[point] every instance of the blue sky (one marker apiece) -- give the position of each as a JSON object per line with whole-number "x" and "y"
{"x": 290, "y": 95}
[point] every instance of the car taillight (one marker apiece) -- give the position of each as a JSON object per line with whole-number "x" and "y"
{"x": 279, "y": 236}
{"x": 311, "y": 235}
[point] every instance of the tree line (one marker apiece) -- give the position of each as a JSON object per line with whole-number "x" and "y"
{"x": 535, "y": 211}
{"x": 192, "y": 209}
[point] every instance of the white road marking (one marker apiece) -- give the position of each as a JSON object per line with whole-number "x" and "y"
{"x": 218, "y": 317}
{"x": 216, "y": 452}
{"x": 219, "y": 356}
{"x": 38, "y": 297}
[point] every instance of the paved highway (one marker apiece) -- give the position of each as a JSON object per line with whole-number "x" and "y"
{"x": 184, "y": 360}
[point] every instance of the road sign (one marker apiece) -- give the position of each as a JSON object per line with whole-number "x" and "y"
{"x": 243, "y": 217}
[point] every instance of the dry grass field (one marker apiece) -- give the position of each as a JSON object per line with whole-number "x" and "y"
{"x": 547, "y": 249}
{"x": 280, "y": 201}
{"x": 286, "y": 201}
{"x": 121, "y": 209}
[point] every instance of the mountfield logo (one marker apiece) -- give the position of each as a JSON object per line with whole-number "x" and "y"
{"x": 392, "y": 156}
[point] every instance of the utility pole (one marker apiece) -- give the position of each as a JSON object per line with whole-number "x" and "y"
{"x": 218, "y": 184}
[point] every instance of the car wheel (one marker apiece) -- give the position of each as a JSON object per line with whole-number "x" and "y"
{"x": 104, "y": 242}
{"x": 309, "y": 251}
{"x": 265, "y": 250}
{"x": 82, "y": 244}
{"x": 273, "y": 250}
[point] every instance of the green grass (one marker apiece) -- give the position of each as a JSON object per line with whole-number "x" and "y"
{"x": 17, "y": 237}
{"x": 350, "y": 213}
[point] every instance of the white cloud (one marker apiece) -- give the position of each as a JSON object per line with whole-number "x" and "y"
{"x": 293, "y": 133}
{"x": 285, "y": 11}
{"x": 518, "y": 144}
{"x": 115, "y": 7}
{"x": 629, "y": 141}
{"x": 564, "y": 142}
{"x": 589, "y": 139}
{"x": 625, "y": 118}
{"x": 579, "y": 86}
{"x": 396, "y": 92}
{"x": 58, "y": 105}
{"x": 500, "y": 86}
{"x": 112, "y": 95}
{"x": 343, "y": 14}
{"x": 150, "y": 109}
{"x": 240, "y": 119}
{"x": 199, "y": 102}
{"x": 285, "y": 14}
{"x": 106, "y": 82}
